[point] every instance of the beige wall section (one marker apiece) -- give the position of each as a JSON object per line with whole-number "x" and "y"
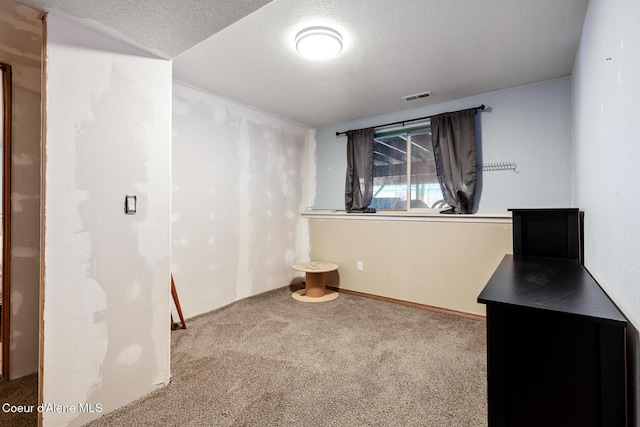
{"x": 238, "y": 189}
{"x": 442, "y": 263}
{"x": 20, "y": 47}
{"x": 106, "y": 274}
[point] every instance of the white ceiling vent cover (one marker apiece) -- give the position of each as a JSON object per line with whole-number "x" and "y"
{"x": 417, "y": 96}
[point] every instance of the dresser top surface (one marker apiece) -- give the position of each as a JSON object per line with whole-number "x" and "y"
{"x": 549, "y": 284}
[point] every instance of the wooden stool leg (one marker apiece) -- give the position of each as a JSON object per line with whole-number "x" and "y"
{"x": 314, "y": 286}
{"x": 176, "y": 301}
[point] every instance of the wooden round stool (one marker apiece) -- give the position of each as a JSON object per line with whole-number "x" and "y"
{"x": 314, "y": 290}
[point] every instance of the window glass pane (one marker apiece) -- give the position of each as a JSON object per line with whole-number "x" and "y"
{"x": 390, "y": 172}
{"x": 425, "y": 187}
{"x": 391, "y": 187}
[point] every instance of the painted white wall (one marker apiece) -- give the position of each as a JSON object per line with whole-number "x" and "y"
{"x": 238, "y": 189}
{"x": 607, "y": 132}
{"x": 20, "y": 47}
{"x": 529, "y": 125}
{"x": 106, "y": 281}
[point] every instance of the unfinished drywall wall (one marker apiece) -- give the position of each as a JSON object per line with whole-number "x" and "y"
{"x": 606, "y": 135}
{"x": 238, "y": 189}
{"x": 20, "y": 47}
{"x": 443, "y": 263}
{"x": 528, "y": 125}
{"x": 107, "y": 278}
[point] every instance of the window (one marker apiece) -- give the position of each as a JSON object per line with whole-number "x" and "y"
{"x": 404, "y": 169}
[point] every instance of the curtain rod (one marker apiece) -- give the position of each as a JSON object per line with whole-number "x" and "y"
{"x": 480, "y": 107}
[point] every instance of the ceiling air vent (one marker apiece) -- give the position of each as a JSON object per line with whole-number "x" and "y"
{"x": 417, "y": 96}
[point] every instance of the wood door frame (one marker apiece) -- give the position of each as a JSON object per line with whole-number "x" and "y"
{"x": 6, "y": 216}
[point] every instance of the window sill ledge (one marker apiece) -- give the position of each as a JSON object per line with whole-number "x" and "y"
{"x": 500, "y": 218}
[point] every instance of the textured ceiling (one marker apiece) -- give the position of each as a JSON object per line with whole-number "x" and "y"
{"x": 392, "y": 48}
{"x": 453, "y": 48}
{"x": 165, "y": 28}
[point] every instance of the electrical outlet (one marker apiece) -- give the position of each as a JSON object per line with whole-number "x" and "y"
{"x": 360, "y": 266}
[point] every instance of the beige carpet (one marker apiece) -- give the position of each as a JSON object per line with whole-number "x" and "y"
{"x": 273, "y": 361}
{"x": 20, "y": 392}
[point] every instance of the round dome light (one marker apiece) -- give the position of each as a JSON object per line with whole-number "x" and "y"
{"x": 319, "y": 42}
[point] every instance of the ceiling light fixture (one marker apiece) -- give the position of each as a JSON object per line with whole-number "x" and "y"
{"x": 319, "y": 42}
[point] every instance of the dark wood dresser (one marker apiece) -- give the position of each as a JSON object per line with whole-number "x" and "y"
{"x": 555, "y": 345}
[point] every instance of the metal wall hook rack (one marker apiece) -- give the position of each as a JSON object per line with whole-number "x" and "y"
{"x": 499, "y": 166}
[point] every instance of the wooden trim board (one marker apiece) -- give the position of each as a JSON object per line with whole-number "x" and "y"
{"x": 410, "y": 304}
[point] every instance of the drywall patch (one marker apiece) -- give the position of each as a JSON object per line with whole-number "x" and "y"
{"x": 20, "y": 47}
{"x": 15, "y": 335}
{"x": 238, "y": 180}
{"x": 275, "y": 190}
{"x": 136, "y": 291}
{"x": 130, "y": 355}
{"x": 108, "y": 133}
{"x": 25, "y": 252}
{"x": 16, "y": 302}
{"x": 113, "y": 161}
{"x": 22, "y": 159}
{"x": 19, "y": 200}
{"x": 206, "y": 209}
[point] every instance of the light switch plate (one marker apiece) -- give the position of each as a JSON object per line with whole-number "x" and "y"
{"x": 130, "y": 203}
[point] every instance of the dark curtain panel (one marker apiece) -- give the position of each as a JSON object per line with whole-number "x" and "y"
{"x": 359, "y": 183}
{"x": 453, "y": 136}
